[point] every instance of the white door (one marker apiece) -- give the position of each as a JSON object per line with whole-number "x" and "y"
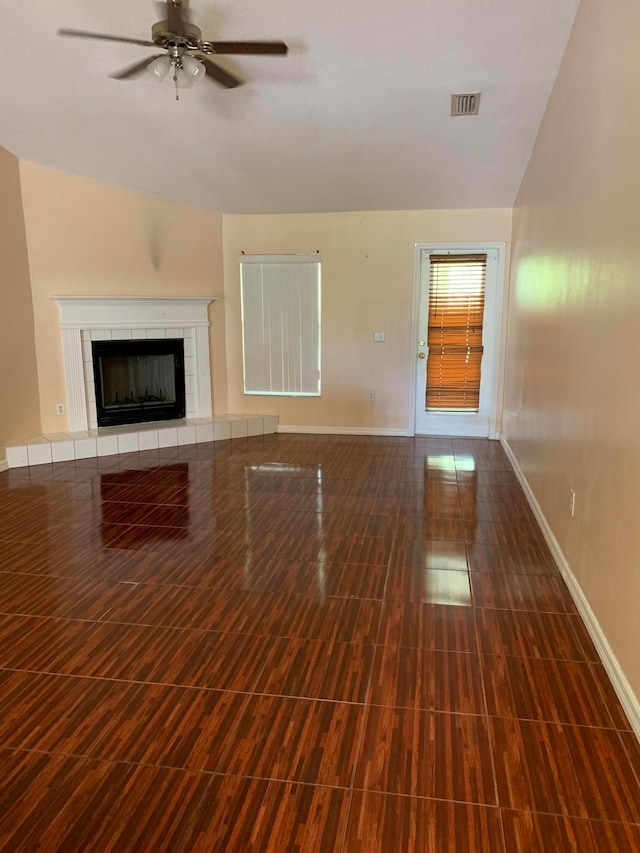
{"x": 437, "y": 414}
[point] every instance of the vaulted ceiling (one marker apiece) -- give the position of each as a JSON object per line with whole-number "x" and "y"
{"x": 356, "y": 117}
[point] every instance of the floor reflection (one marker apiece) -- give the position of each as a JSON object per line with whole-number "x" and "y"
{"x": 286, "y": 471}
{"x": 128, "y": 521}
{"x": 443, "y": 587}
{"x": 459, "y": 469}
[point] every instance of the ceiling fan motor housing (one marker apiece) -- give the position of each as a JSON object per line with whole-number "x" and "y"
{"x": 189, "y": 37}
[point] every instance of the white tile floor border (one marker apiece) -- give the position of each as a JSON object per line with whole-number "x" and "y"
{"x": 108, "y": 441}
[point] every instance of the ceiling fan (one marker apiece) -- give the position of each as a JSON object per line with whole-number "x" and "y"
{"x": 185, "y": 53}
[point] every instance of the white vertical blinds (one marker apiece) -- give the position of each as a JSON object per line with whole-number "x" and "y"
{"x": 281, "y": 324}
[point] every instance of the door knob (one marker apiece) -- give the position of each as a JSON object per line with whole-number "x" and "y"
{"x": 420, "y": 355}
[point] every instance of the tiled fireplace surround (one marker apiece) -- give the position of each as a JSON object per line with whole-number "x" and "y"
{"x": 87, "y": 319}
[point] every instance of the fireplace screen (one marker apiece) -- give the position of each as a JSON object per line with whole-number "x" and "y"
{"x": 139, "y": 381}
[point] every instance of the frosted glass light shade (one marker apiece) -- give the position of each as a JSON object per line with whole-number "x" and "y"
{"x": 193, "y": 69}
{"x": 160, "y": 67}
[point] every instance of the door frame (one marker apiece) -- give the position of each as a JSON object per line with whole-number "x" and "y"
{"x": 422, "y": 249}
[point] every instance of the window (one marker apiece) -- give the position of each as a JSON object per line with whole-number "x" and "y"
{"x": 281, "y": 324}
{"x": 454, "y": 332}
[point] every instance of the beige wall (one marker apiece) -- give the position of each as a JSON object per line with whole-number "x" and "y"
{"x": 92, "y": 239}
{"x": 572, "y": 407}
{"x": 367, "y": 286}
{"x": 87, "y": 238}
{"x": 19, "y": 413}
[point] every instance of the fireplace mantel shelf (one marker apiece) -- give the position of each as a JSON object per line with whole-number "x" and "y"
{"x": 127, "y": 312}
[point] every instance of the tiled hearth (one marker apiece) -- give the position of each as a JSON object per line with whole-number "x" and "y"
{"x": 108, "y": 441}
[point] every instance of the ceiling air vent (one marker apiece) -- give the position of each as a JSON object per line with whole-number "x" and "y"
{"x": 465, "y": 105}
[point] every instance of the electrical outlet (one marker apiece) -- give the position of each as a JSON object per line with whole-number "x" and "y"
{"x": 378, "y": 337}
{"x": 371, "y": 396}
{"x": 59, "y": 408}
{"x": 572, "y": 502}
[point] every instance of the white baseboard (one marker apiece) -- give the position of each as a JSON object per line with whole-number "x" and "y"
{"x": 625, "y": 694}
{"x": 4, "y": 466}
{"x": 326, "y": 430}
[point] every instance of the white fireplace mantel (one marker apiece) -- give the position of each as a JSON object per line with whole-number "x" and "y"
{"x": 102, "y": 314}
{"x": 122, "y": 312}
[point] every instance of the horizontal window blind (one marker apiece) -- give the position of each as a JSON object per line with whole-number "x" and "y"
{"x": 454, "y": 335}
{"x": 281, "y": 324}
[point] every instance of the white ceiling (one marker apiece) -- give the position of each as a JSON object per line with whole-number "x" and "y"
{"x": 357, "y": 117}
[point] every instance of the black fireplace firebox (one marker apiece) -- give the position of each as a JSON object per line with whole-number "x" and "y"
{"x": 139, "y": 380}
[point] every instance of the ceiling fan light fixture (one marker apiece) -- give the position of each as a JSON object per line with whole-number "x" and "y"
{"x": 160, "y": 67}
{"x": 193, "y": 69}
{"x": 184, "y": 70}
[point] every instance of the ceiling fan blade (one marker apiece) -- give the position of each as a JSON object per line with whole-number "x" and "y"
{"x": 219, "y": 75}
{"x": 82, "y": 34}
{"x": 134, "y": 70}
{"x": 274, "y": 48}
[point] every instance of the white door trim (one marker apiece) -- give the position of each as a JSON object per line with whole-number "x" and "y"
{"x": 428, "y": 248}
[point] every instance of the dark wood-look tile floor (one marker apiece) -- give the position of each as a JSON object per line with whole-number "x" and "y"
{"x": 291, "y": 643}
